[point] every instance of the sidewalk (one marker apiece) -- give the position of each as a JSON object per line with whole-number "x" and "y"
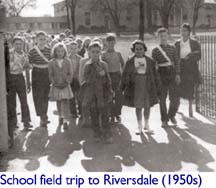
{"x": 190, "y": 147}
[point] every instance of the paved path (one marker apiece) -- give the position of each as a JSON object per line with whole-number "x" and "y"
{"x": 190, "y": 147}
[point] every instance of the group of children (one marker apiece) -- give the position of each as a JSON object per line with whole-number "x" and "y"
{"x": 89, "y": 79}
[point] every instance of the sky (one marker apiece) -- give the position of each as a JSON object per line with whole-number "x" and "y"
{"x": 44, "y": 7}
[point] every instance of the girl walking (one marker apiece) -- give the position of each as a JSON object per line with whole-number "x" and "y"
{"x": 139, "y": 84}
{"x": 60, "y": 75}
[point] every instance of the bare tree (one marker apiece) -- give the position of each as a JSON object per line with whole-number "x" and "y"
{"x": 197, "y": 4}
{"x": 141, "y": 19}
{"x": 71, "y": 11}
{"x": 149, "y": 6}
{"x": 15, "y": 7}
{"x": 114, "y": 8}
{"x": 164, "y": 7}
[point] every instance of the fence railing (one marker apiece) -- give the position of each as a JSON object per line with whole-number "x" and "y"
{"x": 206, "y": 93}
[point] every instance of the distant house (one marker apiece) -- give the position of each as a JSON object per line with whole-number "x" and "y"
{"x": 90, "y": 21}
{"x": 48, "y": 24}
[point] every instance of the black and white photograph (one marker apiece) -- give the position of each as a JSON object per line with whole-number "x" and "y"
{"x": 107, "y": 86}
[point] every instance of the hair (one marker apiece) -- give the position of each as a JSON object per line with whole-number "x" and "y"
{"x": 85, "y": 40}
{"x": 111, "y": 37}
{"x": 186, "y": 26}
{"x": 17, "y": 38}
{"x": 134, "y": 43}
{"x": 95, "y": 44}
{"x": 162, "y": 30}
{"x": 73, "y": 43}
{"x": 56, "y": 46}
{"x": 41, "y": 33}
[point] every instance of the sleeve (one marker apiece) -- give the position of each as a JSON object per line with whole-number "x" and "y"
{"x": 30, "y": 57}
{"x": 26, "y": 63}
{"x": 176, "y": 60}
{"x": 69, "y": 75}
{"x": 51, "y": 72}
{"x": 81, "y": 67}
{"x": 196, "y": 54}
{"x": 125, "y": 75}
{"x": 86, "y": 74}
{"x": 109, "y": 83}
{"x": 154, "y": 55}
{"x": 121, "y": 60}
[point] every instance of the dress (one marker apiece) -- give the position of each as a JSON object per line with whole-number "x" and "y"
{"x": 141, "y": 95}
{"x": 60, "y": 73}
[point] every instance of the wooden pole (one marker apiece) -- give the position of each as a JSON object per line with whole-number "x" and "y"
{"x": 3, "y": 92}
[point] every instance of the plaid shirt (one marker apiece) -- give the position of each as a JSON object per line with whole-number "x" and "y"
{"x": 18, "y": 62}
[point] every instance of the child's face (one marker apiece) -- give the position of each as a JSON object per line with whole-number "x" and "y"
{"x": 73, "y": 49}
{"x": 18, "y": 45}
{"x": 41, "y": 40}
{"x": 185, "y": 33}
{"x": 111, "y": 44}
{"x": 95, "y": 53}
{"x": 60, "y": 52}
{"x": 139, "y": 50}
{"x": 163, "y": 37}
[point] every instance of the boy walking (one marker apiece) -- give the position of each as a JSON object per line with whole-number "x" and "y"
{"x": 97, "y": 93}
{"x": 39, "y": 58}
{"x": 115, "y": 64}
{"x": 16, "y": 84}
{"x": 168, "y": 64}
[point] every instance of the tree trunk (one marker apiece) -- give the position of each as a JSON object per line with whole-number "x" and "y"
{"x": 116, "y": 22}
{"x": 165, "y": 20}
{"x": 149, "y": 14}
{"x": 141, "y": 20}
{"x": 73, "y": 21}
{"x": 195, "y": 18}
{"x": 68, "y": 15}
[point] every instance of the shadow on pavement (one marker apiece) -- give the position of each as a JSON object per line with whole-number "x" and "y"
{"x": 124, "y": 152}
{"x": 204, "y": 131}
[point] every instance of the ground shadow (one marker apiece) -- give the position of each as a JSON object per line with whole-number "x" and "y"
{"x": 63, "y": 143}
{"x": 204, "y": 131}
{"x": 108, "y": 157}
{"x": 168, "y": 157}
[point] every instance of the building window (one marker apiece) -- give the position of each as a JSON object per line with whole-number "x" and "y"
{"x": 185, "y": 17}
{"x": 31, "y": 25}
{"x": 54, "y": 26}
{"x": 63, "y": 25}
{"x": 18, "y": 25}
{"x": 39, "y": 25}
{"x": 87, "y": 18}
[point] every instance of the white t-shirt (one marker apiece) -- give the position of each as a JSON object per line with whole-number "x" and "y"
{"x": 185, "y": 48}
{"x": 140, "y": 65}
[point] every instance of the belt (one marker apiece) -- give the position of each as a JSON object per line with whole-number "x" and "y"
{"x": 40, "y": 66}
{"x": 167, "y": 64}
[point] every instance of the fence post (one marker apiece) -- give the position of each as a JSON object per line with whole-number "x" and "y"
{"x": 3, "y": 92}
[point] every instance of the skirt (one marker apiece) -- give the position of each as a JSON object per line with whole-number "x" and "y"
{"x": 141, "y": 94}
{"x": 188, "y": 80}
{"x": 57, "y": 94}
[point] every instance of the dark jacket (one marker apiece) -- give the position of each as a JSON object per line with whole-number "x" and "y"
{"x": 193, "y": 58}
{"x": 97, "y": 83}
{"x": 128, "y": 82}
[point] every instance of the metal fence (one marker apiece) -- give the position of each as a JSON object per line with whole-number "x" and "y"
{"x": 206, "y": 93}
